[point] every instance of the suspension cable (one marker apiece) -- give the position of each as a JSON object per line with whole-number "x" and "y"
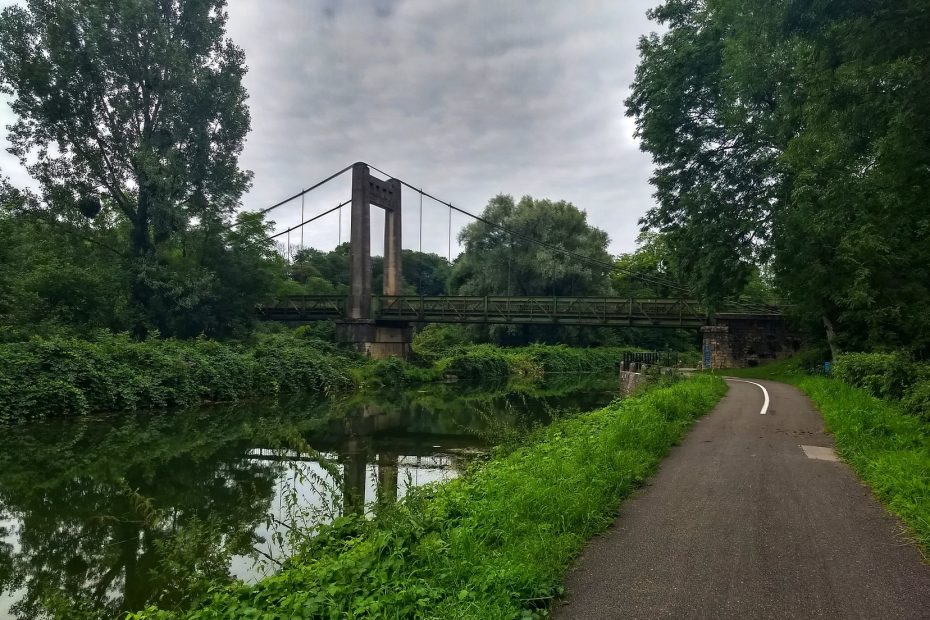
{"x": 312, "y": 219}
{"x": 420, "y": 249}
{"x": 509, "y": 261}
{"x": 306, "y": 191}
{"x": 300, "y": 194}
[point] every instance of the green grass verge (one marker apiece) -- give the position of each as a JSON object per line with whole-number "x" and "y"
{"x": 493, "y": 544}
{"x": 887, "y": 447}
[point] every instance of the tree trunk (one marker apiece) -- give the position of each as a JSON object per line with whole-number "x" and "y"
{"x": 141, "y": 241}
{"x": 141, "y": 247}
{"x": 831, "y": 336}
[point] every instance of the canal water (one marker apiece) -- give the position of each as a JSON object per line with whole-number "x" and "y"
{"x": 106, "y": 514}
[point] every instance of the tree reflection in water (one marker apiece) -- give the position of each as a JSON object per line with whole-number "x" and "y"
{"x": 99, "y": 516}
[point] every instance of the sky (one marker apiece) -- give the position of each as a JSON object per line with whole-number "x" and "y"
{"x": 463, "y": 98}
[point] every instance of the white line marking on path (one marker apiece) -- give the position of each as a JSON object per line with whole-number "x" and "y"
{"x": 820, "y": 453}
{"x": 765, "y": 392}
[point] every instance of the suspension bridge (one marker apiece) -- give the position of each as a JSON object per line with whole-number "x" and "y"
{"x": 380, "y": 324}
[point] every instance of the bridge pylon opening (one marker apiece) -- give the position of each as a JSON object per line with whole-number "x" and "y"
{"x": 359, "y": 327}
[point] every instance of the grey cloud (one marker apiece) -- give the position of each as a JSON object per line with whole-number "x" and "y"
{"x": 464, "y": 98}
{"x": 467, "y": 99}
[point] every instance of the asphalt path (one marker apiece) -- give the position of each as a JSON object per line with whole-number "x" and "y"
{"x": 741, "y": 521}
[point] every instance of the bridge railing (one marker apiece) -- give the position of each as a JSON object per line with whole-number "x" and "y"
{"x": 650, "y": 358}
{"x": 539, "y": 309}
{"x": 306, "y": 308}
{"x": 605, "y": 311}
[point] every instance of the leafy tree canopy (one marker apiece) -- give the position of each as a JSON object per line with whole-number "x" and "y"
{"x": 495, "y": 262}
{"x": 498, "y": 259}
{"x": 650, "y": 271}
{"x": 320, "y": 272}
{"x": 136, "y": 105}
{"x": 798, "y": 132}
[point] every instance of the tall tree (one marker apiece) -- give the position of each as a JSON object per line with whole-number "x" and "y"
{"x": 797, "y": 131}
{"x": 320, "y": 272}
{"x": 714, "y": 161}
{"x": 499, "y": 259}
{"x": 136, "y": 102}
{"x": 496, "y": 262}
{"x": 650, "y": 271}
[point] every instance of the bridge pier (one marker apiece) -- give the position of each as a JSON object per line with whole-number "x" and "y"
{"x": 358, "y": 328}
{"x": 387, "y": 478}
{"x": 716, "y": 347}
{"x": 741, "y": 342}
{"x": 374, "y": 340}
{"x": 354, "y": 479}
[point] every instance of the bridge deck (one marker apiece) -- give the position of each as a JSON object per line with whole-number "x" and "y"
{"x": 595, "y": 311}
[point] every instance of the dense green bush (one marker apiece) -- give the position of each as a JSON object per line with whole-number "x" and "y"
{"x": 885, "y": 375}
{"x": 394, "y": 372}
{"x": 493, "y": 544}
{"x": 436, "y": 340}
{"x": 68, "y": 376}
{"x": 863, "y": 370}
{"x": 560, "y": 358}
{"x": 488, "y": 363}
{"x": 485, "y": 363}
{"x": 917, "y": 399}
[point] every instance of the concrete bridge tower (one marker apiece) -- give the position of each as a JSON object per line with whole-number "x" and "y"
{"x": 358, "y": 327}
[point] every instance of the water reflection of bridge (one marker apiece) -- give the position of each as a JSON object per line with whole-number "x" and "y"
{"x": 388, "y": 454}
{"x": 70, "y": 487}
{"x": 434, "y": 461}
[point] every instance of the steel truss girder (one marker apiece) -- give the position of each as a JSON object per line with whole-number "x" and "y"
{"x": 533, "y": 310}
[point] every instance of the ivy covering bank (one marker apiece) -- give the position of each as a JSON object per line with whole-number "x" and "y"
{"x": 69, "y": 376}
{"x": 493, "y": 544}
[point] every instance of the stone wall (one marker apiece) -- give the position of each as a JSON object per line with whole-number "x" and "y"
{"x": 746, "y": 342}
{"x": 716, "y": 347}
{"x": 629, "y": 381}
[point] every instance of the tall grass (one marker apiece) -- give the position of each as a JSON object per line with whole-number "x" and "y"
{"x": 493, "y": 544}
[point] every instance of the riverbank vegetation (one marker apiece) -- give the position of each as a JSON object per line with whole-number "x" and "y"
{"x": 67, "y": 376}
{"x": 487, "y": 363}
{"x": 70, "y": 376}
{"x": 493, "y": 544}
{"x": 875, "y": 406}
